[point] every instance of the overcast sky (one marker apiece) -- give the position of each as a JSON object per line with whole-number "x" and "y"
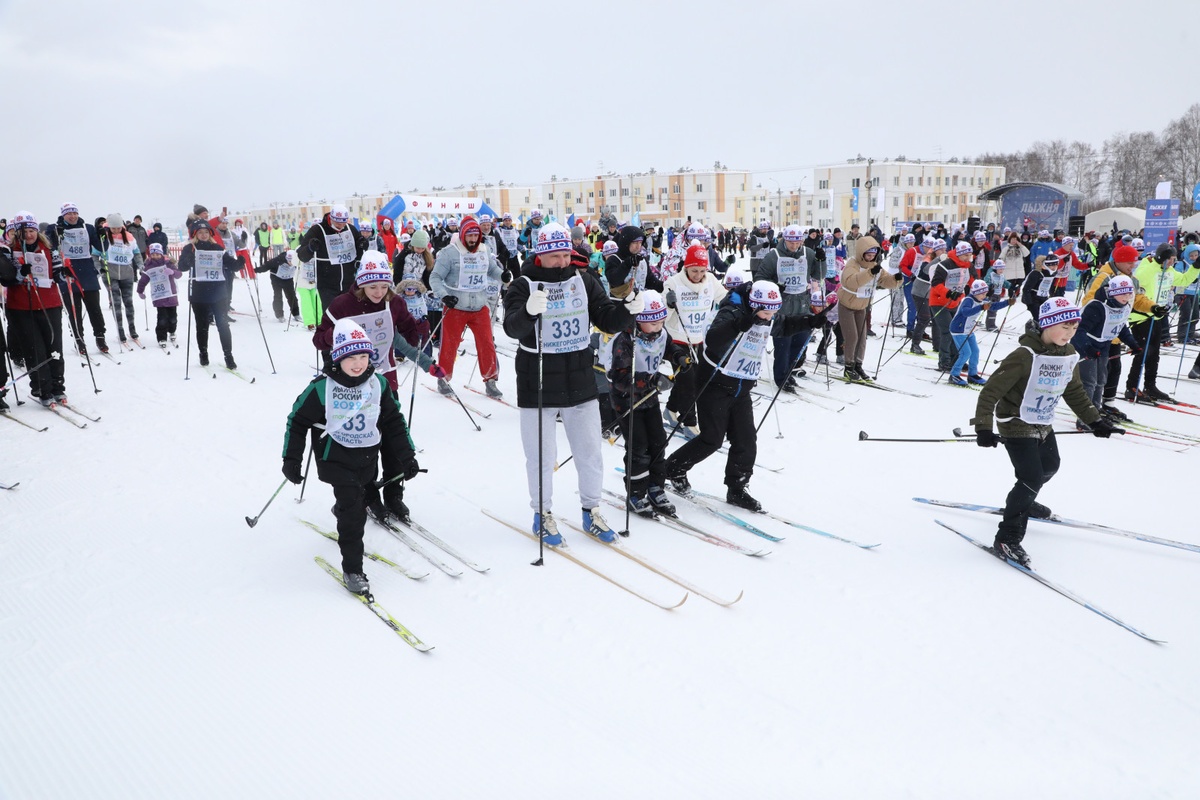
{"x": 147, "y": 107}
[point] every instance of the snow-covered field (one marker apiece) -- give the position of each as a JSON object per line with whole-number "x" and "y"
{"x": 154, "y": 646}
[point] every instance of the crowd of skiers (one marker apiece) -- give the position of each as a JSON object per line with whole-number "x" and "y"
{"x": 607, "y": 319}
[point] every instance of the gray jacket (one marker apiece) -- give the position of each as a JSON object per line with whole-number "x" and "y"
{"x": 128, "y": 272}
{"x": 794, "y": 305}
{"x": 444, "y": 279}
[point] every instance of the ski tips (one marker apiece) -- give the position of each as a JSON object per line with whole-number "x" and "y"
{"x": 957, "y": 432}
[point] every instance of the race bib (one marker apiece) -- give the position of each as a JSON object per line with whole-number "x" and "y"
{"x": 380, "y": 330}
{"x": 1114, "y": 320}
{"x": 509, "y": 237}
{"x": 39, "y": 268}
{"x": 1045, "y": 286}
{"x": 120, "y": 255}
{"x": 648, "y": 355}
{"x": 745, "y": 362}
{"x": 352, "y": 413}
{"x": 160, "y": 283}
{"x": 956, "y": 278}
{"x": 1048, "y": 380}
{"x": 210, "y": 265}
{"x": 693, "y": 307}
{"x": 340, "y": 247}
{"x": 416, "y": 306}
{"x": 565, "y": 327}
{"x": 793, "y": 274}
{"x": 75, "y": 243}
{"x": 286, "y": 271}
{"x": 473, "y": 271}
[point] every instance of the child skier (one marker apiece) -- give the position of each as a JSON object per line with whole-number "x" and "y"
{"x": 962, "y": 329}
{"x": 160, "y": 273}
{"x": 1022, "y": 394}
{"x": 636, "y": 382}
{"x": 360, "y": 418}
{"x": 730, "y": 368}
{"x": 1105, "y": 317}
{"x": 1039, "y": 283}
{"x": 413, "y": 292}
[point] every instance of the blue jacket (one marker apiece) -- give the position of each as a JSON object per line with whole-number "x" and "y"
{"x": 968, "y": 311}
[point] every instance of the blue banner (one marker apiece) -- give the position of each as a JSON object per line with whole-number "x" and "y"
{"x": 571, "y": 221}
{"x": 1162, "y": 223}
{"x": 1196, "y": 198}
{"x": 1036, "y": 207}
{"x": 854, "y": 199}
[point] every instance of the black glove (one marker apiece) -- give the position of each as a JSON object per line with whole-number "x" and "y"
{"x": 986, "y": 438}
{"x": 671, "y": 298}
{"x": 291, "y": 470}
{"x": 663, "y": 382}
{"x": 953, "y": 295}
{"x": 683, "y": 364}
{"x": 450, "y": 301}
{"x": 409, "y": 468}
{"x": 1158, "y": 312}
{"x": 1102, "y": 428}
{"x": 875, "y": 269}
{"x": 60, "y": 274}
{"x": 1133, "y": 351}
{"x": 25, "y": 270}
{"x": 747, "y": 321}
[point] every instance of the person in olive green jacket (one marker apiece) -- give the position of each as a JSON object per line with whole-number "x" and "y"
{"x": 1023, "y": 408}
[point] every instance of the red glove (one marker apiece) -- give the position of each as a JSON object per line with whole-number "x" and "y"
{"x": 437, "y": 371}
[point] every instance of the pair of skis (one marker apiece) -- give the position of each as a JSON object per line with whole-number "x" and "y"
{"x": 1042, "y": 579}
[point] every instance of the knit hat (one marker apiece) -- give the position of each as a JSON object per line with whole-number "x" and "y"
{"x": 1121, "y": 284}
{"x": 469, "y": 225}
{"x": 349, "y": 338}
{"x": 998, "y": 265}
{"x": 364, "y": 224}
{"x": 831, "y": 300}
{"x": 1056, "y": 311}
{"x": 793, "y": 233}
{"x": 1125, "y": 254}
{"x": 1138, "y": 245}
{"x": 404, "y": 238}
{"x": 654, "y": 309}
{"x": 908, "y": 238}
{"x": 1043, "y": 234}
{"x": 764, "y": 225}
{"x": 733, "y": 280}
{"x": 1068, "y": 242}
{"x": 963, "y": 249}
{"x": 535, "y": 214}
{"x": 339, "y": 213}
{"x": 485, "y": 218}
{"x": 696, "y": 256}
{"x": 695, "y": 232}
{"x": 68, "y": 208}
{"x": 200, "y": 225}
{"x": 979, "y": 287}
{"x": 506, "y": 216}
{"x": 23, "y": 219}
{"x": 928, "y": 243}
{"x": 940, "y": 244}
{"x": 552, "y": 238}
{"x": 578, "y": 233}
{"x": 156, "y": 249}
{"x": 373, "y": 269}
{"x": 980, "y": 236}
{"x": 199, "y": 210}
{"x": 609, "y": 248}
{"x": 1050, "y": 261}
{"x": 765, "y": 295}
{"x": 420, "y": 240}
{"x": 115, "y": 221}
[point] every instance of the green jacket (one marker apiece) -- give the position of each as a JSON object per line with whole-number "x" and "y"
{"x": 1156, "y": 282}
{"x": 1002, "y": 395}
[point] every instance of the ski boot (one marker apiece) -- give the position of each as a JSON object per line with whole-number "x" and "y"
{"x": 680, "y": 484}
{"x": 597, "y": 526}
{"x": 3, "y": 405}
{"x": 492, "y": 390}
{"x": 548, "y": 529}
{"x": 789, "y": 385}
{"x": 1157, "y": 395}
{"x": 639, "y": 505}
{"x": 1039, "y": 511}
{"x": 357, "y": 583}
{"x": 1114, "y": 413}
{"x": 229, "y": 362}
{"x": 444, "y": 388}
{"x": 738, "y": 496}
{"x": 204, "y": 358}
{"x": 1011, "y": 551}
{"x": 978, "y": 380}
{"x": 101, "y": 344}
{"x": 378, "y": 512}
{"x": 658, "y": 499}
{"x": 957, "y": 380}
{"x": 1194, "y": 373}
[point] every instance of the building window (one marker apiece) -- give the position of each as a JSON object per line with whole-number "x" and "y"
{"x": 674, "y": 206}
{"x": 637, "y": 191}
{"x": 921, "y": 180}
{"x": 625, "y": 208}
{"x": 699, "y": 187}
{"x": 822, "y": 184}
{"x": 896, "y": 181}
{"x": 822, "y": 204}
{"x": 895, "y": 201}
{"x": 550, "y": 195}
{"x": 612, "y": 192}
{"x": 625, "y": 192}
{"x": 701, "y": 206}
{"x": 674, "y": 188}
{"x": 910, "y": 181}
{"x": 855, "y": 183}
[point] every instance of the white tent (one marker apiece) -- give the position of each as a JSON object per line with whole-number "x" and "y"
{"x": 1191, "y": 224}
{"x": 1126, "y": 217}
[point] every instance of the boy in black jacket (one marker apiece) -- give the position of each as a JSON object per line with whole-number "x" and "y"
{"x": 737, "y": 339}
{"x": 359, "y": 417}
{"x": 1038, "y": 283}
{"x": 636, "y": 381}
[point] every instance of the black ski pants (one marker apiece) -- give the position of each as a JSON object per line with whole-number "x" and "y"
{"x": 645, "y": 441}
{"x": 722, "y": 412}
{"x": 1034, "y": 462}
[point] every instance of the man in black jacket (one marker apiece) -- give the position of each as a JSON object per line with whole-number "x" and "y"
{"x": 555, "y": 379}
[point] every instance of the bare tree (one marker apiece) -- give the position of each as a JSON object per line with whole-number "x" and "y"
{"x": 1135, "y": 164}
{"x": 1181, "y": 154}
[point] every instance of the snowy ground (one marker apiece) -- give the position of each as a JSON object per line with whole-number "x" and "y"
{"x": 152, "y": 645}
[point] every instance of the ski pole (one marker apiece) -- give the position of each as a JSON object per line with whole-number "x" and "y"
{"x": 779, "y": 388}
{"x": 541, "y": 493}
{"x": 187, "y": 354}
{"x": 30, "y": 370}
{"x": 778, "y": 429}
{"x": 678, "y": 425}
{"x": 304, "y": 483}
{"x": 651, "y": 394}
{"x": 258, "y": 316}
{"x": 629, "y": 438}
{"x": 996, "y": 338}
{"x": 863, "y": 437}
{"x": 252, "y": 521}
{"x": 87, "y": 357}
{"x": 393, "y": 479}
{"x": 8, "y": 354}
{"x": 1187, "y": 335}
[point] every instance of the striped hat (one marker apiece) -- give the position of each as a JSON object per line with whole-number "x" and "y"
{"x": 349, "y": 338}
{"x": 764, "y": 295}
{"x": 68, "y": 208}
{"x": 339, "y": 213}
{"x": 552, "y": 238}
{"x": 156, "y": 249}
{"x": 654, "y": 309}
{"x": 373, "y": 269}
{"x": 1056, "y": 311}
{"x": 1119, "y": 285}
